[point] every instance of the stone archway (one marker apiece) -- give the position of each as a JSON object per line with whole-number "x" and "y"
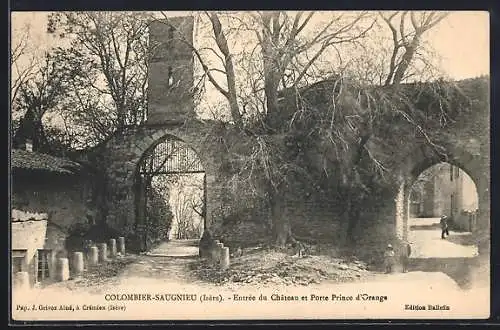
{"x": 121, "y": 156}
{"x": 470, "y": 162}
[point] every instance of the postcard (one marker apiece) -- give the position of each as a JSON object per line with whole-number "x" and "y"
{"x": 250, "y": 165}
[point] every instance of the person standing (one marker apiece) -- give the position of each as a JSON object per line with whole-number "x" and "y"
{"x": 405, "y": 256}
{"x": 444, "y": 226}
{"x": 389, "y": 259}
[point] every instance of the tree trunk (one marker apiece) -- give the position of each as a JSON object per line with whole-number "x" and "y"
{"x": 282, "y": 230}
{"x": 352, "y": 223}
{"x": 405, "y": 61}
{"x": 352, "y": 210}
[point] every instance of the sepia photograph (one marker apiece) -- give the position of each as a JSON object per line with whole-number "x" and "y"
{"x": 249, "y": 165}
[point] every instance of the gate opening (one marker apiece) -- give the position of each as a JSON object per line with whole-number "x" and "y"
{"x": 170, "y": 193}
{"x": 443, "y": 190}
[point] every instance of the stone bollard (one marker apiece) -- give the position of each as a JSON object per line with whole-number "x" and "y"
{"x": 112, "y": 248}
{"x": 121, "y": 245}
{"x": 103, "y": 252}
{"x": 224, "y": 259}
{"x": 62, "y": 269}
{"x": 52, "y": 265}
{"x": 77, "y": 265}
{"x": 92, "y": 257}
{"x": 21, "y": 281}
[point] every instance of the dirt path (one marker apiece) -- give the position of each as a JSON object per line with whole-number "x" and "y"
{"x": 168, "y": 270}
{"x": 169, "y": 262}
{"x": 173, "y": 264}
{"x": 425, "y": 237}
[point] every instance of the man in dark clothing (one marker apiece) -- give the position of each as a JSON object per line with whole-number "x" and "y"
{"x": 444, "y": 226}
{"x": 405, "y": 256}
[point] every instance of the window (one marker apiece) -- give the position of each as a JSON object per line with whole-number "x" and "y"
{"x": 451, "y": 172}
{"x": 18, "y": 260}
{"x": 457, "y": 173}
{"x": 43, "y": 265}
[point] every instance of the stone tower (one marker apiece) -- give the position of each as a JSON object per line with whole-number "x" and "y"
{"x": 171, "y": 72}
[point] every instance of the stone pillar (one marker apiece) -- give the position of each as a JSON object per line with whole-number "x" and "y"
{"x": 21, "y": 281}
{"x": 212, "y": 202}
{"x": 483, "y": 225}
{"x": 224, "y": 259}
{"x": 92, "y": 257}
{"x": 406, "y": 209}
{"x": 77, "y": 264}
{"x": 52, "y": 265}
{"x": 62, "y": 269}
{"x": 103, "y": 252}
{"x": 112, "y": 248}
{"x": 121, "y": 245}
{"x": 399, "y": 203}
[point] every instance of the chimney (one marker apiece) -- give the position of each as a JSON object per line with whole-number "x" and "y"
{"x": 29, "y": 145}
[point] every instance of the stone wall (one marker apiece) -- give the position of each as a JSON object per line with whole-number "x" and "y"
{"x": 465, "y": 144}
{"x": 29, "y": 235}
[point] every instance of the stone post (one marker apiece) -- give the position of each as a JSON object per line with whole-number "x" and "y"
{"x": 21, "y": 281}
{"x": 224, "y": 259}
{"x": 77, "y": 265}
{"x": 112, "y": 248}
{"x": 62, "y": 269}
{"x": 121, "y": 245}
{"x": 103, "y": 252}
{"x": 52, "y": 265}
{"x": 92, "y": 257}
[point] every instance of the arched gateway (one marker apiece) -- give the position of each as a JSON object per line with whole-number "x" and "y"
{"x": 126, "y": 156}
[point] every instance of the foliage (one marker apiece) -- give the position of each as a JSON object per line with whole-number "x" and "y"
{"x": 112, "y": 47}
{"x": 159, "y": 217}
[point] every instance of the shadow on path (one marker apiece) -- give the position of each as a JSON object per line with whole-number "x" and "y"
{"x": 459, "y": 269}
{"x": 426, "y": 227}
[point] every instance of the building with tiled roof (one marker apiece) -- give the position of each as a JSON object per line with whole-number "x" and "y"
{"x": 35, "y": 161}
{"x": 49, "y": 197}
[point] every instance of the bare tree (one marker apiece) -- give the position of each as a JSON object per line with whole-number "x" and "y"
{"x": 285, "y": 54}
{"x": 38, "y": 96}
{"x": 407, "y": 30}
{"x": 188, "y": 192}
{"x": 22, "y": 59}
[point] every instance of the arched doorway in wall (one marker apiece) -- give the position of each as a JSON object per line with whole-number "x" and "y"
{"x": 170, "y": 193}
{"x": 443, "y": 189}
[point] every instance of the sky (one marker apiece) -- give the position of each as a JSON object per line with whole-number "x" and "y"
{"x": 461, "y": 40}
